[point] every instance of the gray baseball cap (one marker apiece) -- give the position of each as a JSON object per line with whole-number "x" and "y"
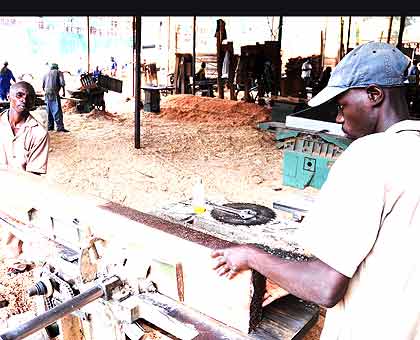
{"x": 371, "y": 63}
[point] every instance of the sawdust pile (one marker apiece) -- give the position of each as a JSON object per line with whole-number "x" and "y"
{"x": 213, "y": 110}
{"x": 68, "y": 106}
{"x": 13, "y": 288}
{"x": 101, "y": 114}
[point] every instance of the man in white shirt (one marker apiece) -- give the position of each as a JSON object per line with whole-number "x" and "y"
{"x": 364, "y": 229}
{"x": 24, "y": 146}
{"x": 306, "y": 72}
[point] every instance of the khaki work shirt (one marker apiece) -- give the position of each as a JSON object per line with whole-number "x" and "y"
{"x": 28, "y": 150}
{"x": 366, "y": 225}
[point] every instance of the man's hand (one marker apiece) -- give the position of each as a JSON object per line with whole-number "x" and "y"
{"x": 231, "y": 261}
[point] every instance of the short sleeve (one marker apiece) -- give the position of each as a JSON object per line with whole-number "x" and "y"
{"x": 38, "y": 155}
{"x": 343, "y": 224}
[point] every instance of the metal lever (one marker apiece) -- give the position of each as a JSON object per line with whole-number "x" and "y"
{"x": 297, "y": 213}
{"x": 245, "y": 214}
{"x": 24, "y": 330}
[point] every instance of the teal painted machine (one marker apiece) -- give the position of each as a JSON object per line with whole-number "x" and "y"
{"x": 308, "y": 157}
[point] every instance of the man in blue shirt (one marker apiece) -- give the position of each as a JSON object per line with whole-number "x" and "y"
{"x": 96, "y": 73}
{"x": 113, "y": 67}
{"x": 5, "y": 77}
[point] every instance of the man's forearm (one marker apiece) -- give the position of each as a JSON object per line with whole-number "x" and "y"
{"x": 311, "y": 280}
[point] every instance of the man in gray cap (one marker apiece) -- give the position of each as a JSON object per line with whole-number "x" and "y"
{"x": 52, "y": 82}
{"x": 364, "y": 229}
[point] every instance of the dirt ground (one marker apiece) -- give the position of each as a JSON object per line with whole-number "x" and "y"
{"x": 192, "y": 136}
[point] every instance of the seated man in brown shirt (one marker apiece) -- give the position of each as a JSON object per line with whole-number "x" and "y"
{"x": 24, "y": 145}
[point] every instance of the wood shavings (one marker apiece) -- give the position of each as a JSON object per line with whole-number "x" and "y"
{"x": 97, "y": 114}
{"x": 213, "y": 110}
{"x": 13, "y": 288}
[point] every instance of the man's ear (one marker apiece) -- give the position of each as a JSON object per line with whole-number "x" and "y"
{"x": 375, "y": 94}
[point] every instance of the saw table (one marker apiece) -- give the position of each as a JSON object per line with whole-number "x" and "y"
{"x": 103, "y": 267}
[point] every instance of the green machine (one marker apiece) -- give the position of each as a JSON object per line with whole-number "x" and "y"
{"x": 308, "y": 156}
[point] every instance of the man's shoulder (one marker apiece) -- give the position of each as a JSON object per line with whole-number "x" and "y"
{"x": 37, "y": 129}
{"x": 404, "y": 125}
{"x": 366, "y": 149}
{"x": 383, "y": 143}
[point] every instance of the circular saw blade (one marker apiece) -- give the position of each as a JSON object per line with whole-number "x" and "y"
{"x": 263, "y": 214}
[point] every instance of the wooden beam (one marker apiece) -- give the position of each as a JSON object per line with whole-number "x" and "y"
{"x": 151, "y": 240}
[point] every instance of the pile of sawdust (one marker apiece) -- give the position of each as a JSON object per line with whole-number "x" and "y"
{"x": 98, "y": 114}
{"x": 13, "y": 288}
{"x": 69, "y": 106}
{"x": 225, "y": 112}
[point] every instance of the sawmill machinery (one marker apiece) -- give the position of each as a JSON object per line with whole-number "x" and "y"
{"x": 103, "y": 268}
{"x": 91, "y": 93}
{"x": 310, "y": 139}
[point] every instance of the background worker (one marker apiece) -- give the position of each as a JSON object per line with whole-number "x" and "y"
{"x": 114, "y": 67}
{"x": 24, "y": 145}
{"x": 306, "y": 72}
{"x": 52, "y": 82}
{"x": 96, "y": 73}
{"x": 364, "y": 228}
{"x": 413, "y": 73}
{"x": 6, "y": 75}
{"x": 201, "y": 74}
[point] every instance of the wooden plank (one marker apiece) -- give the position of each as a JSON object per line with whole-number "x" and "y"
{"x": 288, "y": 99}
{"x": 71, "y": 328}
{"x": 276, "y": 325}
{"x": 168, "y": 278}
{"x": 236, "y": 302}
{"x": 314, "y": 125}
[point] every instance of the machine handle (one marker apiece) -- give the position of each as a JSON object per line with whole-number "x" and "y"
{"x": 24, "y": 330}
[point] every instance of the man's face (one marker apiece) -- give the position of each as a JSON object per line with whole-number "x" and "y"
{"x": 355, "y": 114}
{"x": 21, "y": 99}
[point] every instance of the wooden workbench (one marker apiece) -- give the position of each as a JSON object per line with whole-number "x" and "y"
{"x": 288, "y": 318}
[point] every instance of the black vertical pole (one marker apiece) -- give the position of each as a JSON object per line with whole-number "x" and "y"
{"x": 138, "y": 85}
{"x": 194, "y": 56}
{"x": 280, "y": 65}
{"x": 401, "y": 32}
{"x": 388, "y": 39}
{"x": 341, "y": 37}
{"x": 88, "y": 45}
{"x": 348, "y": 36}
{"x": 134, "y": 55}
{"x": 280, "y": 30}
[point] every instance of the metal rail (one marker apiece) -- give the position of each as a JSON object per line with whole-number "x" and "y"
{"x": 24, "y": 330}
